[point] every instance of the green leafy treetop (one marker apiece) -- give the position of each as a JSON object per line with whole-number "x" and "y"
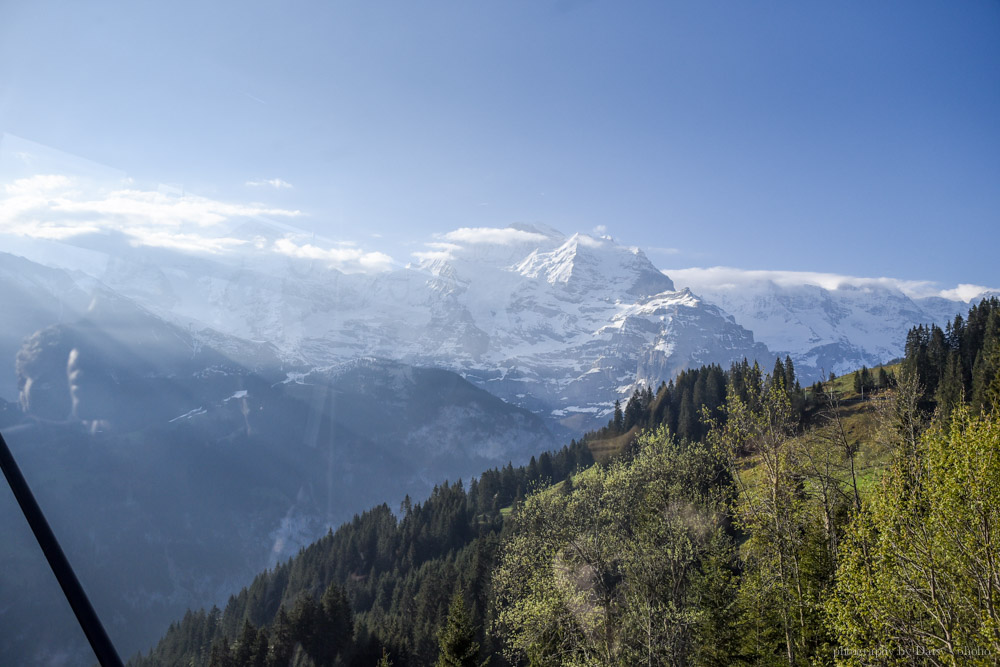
{"x": 920, "y": 568}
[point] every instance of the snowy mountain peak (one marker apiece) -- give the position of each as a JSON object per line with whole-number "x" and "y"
{"x": 585, "y": 264}
{"x": 825, "y": 322}
{"x": 557, "y": 324}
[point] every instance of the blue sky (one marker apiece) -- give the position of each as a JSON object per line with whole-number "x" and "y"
{"x": 851, "y": 137}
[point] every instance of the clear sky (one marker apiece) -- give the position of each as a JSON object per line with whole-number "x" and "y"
{"x": 846, "y": 137}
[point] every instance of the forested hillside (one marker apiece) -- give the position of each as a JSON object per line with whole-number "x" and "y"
{"x": 733, "y": 518}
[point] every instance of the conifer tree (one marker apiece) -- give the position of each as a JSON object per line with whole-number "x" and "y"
{"x": 778, "y": 374}
{"x": 220, "y": 655}
{"x": 338, "y": 622}
{"x": 789, "y": 374}
{"x": 457, "y": 638}
{"x": 545, "y": 470}
{"x": 937, "y": 354}
{"x": 687, "y": 419}
{"x": 532, "y": 473}
{"x": 246, "y": 651}
{"x": 883, "y": 378}
{"x": 619, "y": 418}
{"x": 987, "y": 367}
{"x": 282, "y": 644}
{"x": 633, "y": 410}
{"x": 950, "y": 390}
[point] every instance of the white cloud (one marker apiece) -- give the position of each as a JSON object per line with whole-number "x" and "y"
{"x": 718, "y": 278}
{"x": 276, "y": 183}
{"x": 55, "y": 206}
{"x": 159, "y": 238}
{"x": 588, "y": 241}
{"x": 39, "y": 183}
{"x": 966, "y": 292}
{"x": 168, "y": 210}
{"x": 657, "y": 250}
{"x": 438, "y": 251}
{"x": 600, "y": 230}
{"x": 346, "y": 258}
{"x": 494, "y": 235}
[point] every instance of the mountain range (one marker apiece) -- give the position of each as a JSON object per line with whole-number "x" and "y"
{"x": 142, "y": 383}
{"x": 559, "y": 325}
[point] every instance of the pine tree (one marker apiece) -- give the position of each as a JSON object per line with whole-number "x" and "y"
{"x": 246, "y": 650}
{"x": 950, "y": 389}
{"x": 532, "y": 474}
{"x": 778, "y": 374}
{"x": 937, "y": 356}
{"x": 545, "y": 469}
{"x": 916, "y": 361}
{"x": 789, "y": 374}
{"x": 619, "y": 418}
{"x": 987, "y": 366}
{"x": 687, "y": 419}
{"x": 457, "y": 643}
{"x": 220, "y": 655}
{"x": 633, "y": 410}
{"x": 283, "y": 644}
{"x": 737, "y": 378}
{"x": 338, "y": 622}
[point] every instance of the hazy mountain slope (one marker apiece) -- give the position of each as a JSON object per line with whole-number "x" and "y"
{"x": 32, "y": 297}
{"x": 172, "y": 473}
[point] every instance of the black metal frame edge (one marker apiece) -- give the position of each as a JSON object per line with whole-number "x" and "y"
{"x": 77, "y": 597}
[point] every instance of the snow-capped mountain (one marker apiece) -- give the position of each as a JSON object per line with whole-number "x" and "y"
{"x": 835, "y": 327}
{"x": 559, "y": 325}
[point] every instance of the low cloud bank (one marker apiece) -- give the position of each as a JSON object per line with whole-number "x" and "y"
{"x": 722, "y": 278}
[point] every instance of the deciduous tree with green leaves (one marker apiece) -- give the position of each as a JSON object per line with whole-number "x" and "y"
{"x": 920, "y": 567}
{"x": 784, "y": 556}
{"x": 614, "y": 572}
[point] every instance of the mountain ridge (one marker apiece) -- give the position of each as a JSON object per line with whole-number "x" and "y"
{"x": 554, "y": 323}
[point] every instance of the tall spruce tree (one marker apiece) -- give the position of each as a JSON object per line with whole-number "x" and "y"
{"x": 457, "y": 643}
{"x": 950, "y": 388}
{"x": 778, "y": 374}
{"x": 687, "y": 419}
